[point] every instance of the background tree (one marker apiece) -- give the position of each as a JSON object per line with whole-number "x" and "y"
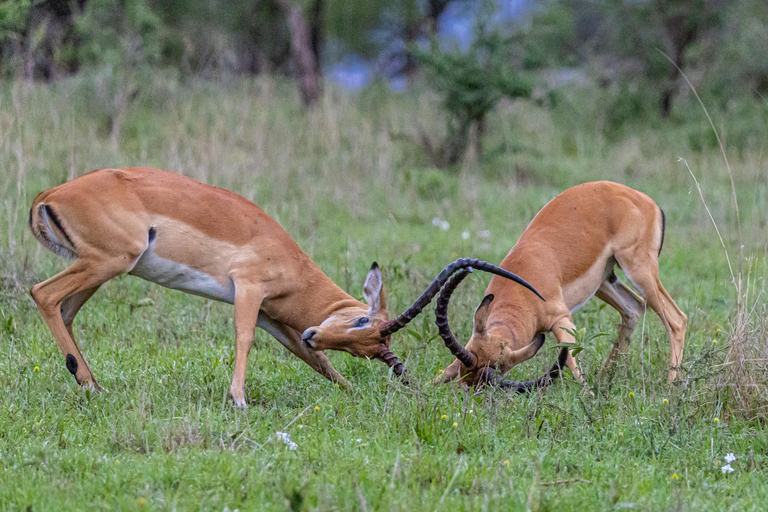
{"x": 674, "y": 26}
{"x": 470, "y": 84}
{"x": 305, "y": 46}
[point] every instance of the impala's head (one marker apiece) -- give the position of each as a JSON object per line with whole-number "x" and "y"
{"x": 355, "y": 329}
{"x": 488, "y": 349}
{"x": 366, "y": 331}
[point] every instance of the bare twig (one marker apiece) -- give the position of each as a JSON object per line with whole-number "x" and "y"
{"x": 719, "y": 142}
{"x": 450, "y": 484}
{"x": 577, "y": 480}
{"x": 361, "y": 498}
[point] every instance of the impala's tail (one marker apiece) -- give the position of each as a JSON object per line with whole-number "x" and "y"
{"x": 49, "y": 231}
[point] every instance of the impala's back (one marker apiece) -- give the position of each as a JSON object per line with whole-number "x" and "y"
{"x": 175, "y": 231}
{"x": 568, "y": 248}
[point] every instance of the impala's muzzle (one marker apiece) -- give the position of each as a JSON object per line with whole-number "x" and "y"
{"x": 307, "y": 337}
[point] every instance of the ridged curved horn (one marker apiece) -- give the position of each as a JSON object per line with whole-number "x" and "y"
{"x": 391, "y": 360}
{"x": 426, "y": 297}
{"x": 467, "y": 358}
{"x": 489, "y": 377}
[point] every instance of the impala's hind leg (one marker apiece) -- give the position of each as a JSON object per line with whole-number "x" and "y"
{"x": 71, "y": 306}
{"x": 629, "y": 305}
{"x": 643, "y": 270}
{"x": 61, "y": 297}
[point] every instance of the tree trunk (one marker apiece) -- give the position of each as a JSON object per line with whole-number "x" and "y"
{"x": 316, "y": 28}
{"x": 666, "y": 101}
{"x": 302, "y": 51}
{"x": 422, "y": 26}
{"x": 669, "y": 92}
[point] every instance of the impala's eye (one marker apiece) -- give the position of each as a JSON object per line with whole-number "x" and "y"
{"x": 362, "y": 321}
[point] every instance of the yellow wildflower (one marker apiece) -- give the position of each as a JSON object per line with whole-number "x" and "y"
{"x": 317, "y": 408}
{"x": 37, "y": 368}
{"x": 455, "y": 424}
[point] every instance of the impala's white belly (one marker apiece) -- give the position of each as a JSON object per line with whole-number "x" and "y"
{"x": 178, "y": 276}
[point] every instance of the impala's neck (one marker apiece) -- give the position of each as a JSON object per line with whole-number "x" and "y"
{"x": 314, "y": 300}
{"x": 512, "y": 323}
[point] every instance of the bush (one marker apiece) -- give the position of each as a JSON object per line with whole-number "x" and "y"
{"x": 470, "y": 84}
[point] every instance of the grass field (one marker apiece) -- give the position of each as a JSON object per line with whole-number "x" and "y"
{"x": 348, "y": 184}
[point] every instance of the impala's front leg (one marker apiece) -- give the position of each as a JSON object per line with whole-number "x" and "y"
{"x": 247, "y": 305}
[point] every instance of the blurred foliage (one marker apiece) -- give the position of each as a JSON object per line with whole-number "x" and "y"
{"x": 119, "y": 32}
{"x": 121, "y": 49}
{"x": 233, "y": 36}
{"x": 619, "y": 43}
{"x": 13, "y": 17}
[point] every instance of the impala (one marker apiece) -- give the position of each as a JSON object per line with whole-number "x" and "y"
{"x": 568, "y": 253}
{"x": 207, "y": 241}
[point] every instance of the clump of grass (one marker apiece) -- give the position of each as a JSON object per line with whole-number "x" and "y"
{"x": 744, "y": 383}
{"x": 742, "y": 386}
{"x": 349, "y": 193}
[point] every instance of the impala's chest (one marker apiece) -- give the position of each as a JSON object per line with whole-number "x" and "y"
{"x": 159, "y": 265}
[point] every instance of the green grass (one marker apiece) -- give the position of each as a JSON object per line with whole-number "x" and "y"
{"x": 350, "y": 189}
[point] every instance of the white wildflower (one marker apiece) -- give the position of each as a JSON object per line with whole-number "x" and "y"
{"x": 465, "y": 235}
{"x": 359, "y": 440}
{"x": 730, "y": 458}
{"x": 436, "y": 222}
{"x": 727, "y": 469}
{"x": 285, "y": 437}
{"x": 484, "y": 234}
{"x": 445, "y": 225}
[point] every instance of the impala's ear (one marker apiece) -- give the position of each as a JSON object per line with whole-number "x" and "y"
{"x": 373, "y": 291}
{"x": 481, "y": 313}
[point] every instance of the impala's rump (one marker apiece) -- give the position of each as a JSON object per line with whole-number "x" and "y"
{"x": 49, "y": 231}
